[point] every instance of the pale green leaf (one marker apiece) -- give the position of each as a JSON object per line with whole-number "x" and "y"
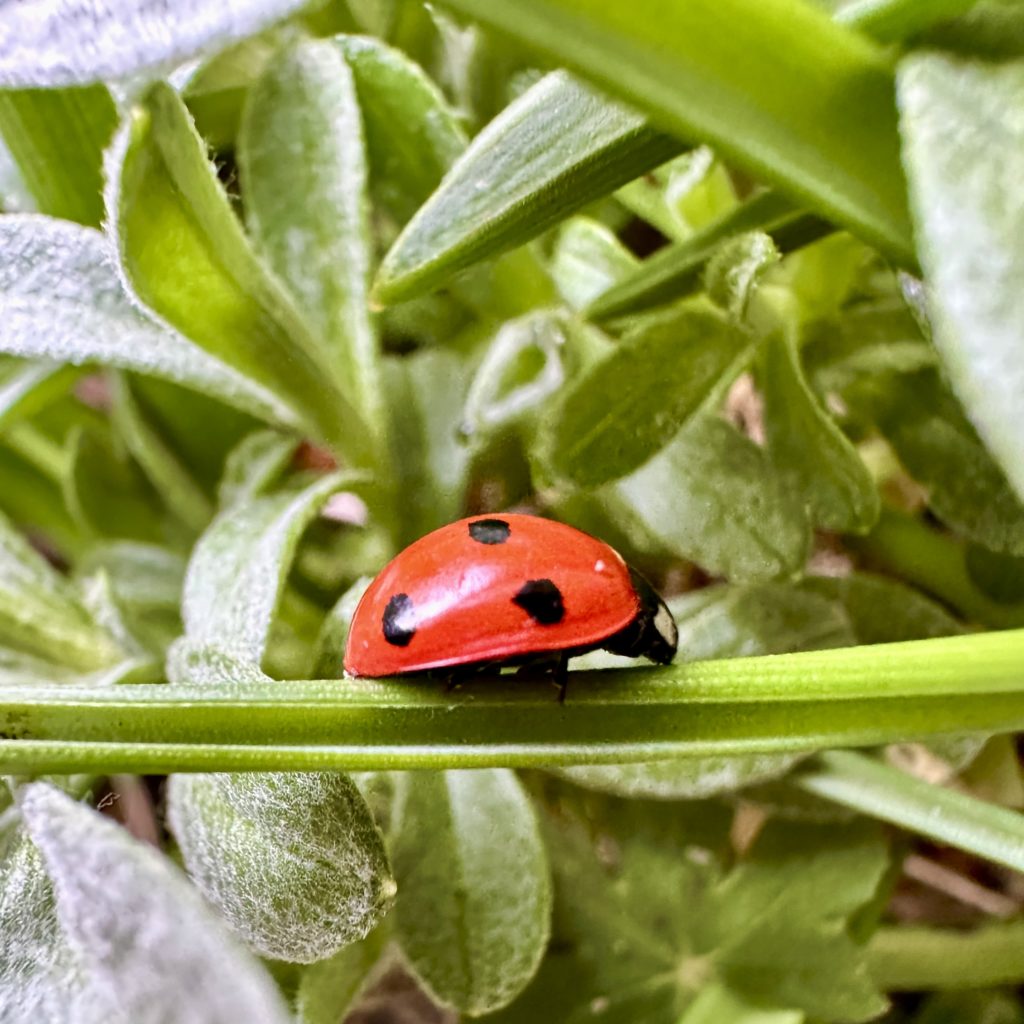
{"x": 620, "y": 411}
{"x": 155, "y": 953}
{"x": 412, "y": 135}
{"x": 40, "y": 977}
{"x": 57, "y": 137}
{"x": 303, "y": 165}
{"x": 60, "y": 299}
{"x": 328, "y": 989}
{"x": 427, "y": 392}
{"x": 28, "y": 386}
{"x": 713, "y": 72}
{"x": 41, "y": 613}
{"x": 553, "y": 150}
{"x": 171, "y": 478}
{"x": 210, "y": 284}
{"x": 79, "y": 41}
{"x": 235, "y": 577}
{"x": 811, "y": 454}
{"x": 293, "y": 861}
{"x": 523, "y": 366}
{"x": 253, "y": 465}
{"x": 587, "y": 260}
{"x": 473, "y": 914}
{"x": 962, "y": 149}
{"x": 333, "y": 635}
{"x": 734, "y": 271}
{"x": 717, "y": 1004}
{"x": 713, "y": 497}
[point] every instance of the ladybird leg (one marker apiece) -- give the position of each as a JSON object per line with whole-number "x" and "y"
{"x": 562, "y": 676}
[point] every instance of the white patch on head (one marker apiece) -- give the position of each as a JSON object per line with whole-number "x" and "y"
{"x": 666, "y": 626}
{"x": 599, "y": 565}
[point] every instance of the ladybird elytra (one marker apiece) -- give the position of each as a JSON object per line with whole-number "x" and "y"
{"x": 506, "y": 588}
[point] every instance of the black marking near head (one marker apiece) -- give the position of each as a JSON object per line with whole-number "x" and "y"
{"x": 542, "y": 601}
{"x": 489, "y": 531}
{"x": 399, "y": 620}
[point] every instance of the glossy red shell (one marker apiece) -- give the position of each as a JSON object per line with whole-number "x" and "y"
{"x": 450, "y": 599}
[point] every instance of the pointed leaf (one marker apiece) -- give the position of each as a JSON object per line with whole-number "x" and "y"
{"x": 623, "y": 409}
{"x": 714, "y": 73}
{"x": 210, "y": 284}
{"x": 964, "y": 157}
{"x": 40, "y": 611}
{"x": 60, "y": 299}
{"x": 57, "y": 138}
{"x": 157, "y": 952}
{"x": 293, "y": 861}
{"x": 328, "y": 989}
{"x": 412, "y": 135}
{"x": 587, "y": 260}
{"x": 253, "y": 466}
{"x": 235, "y": 578}
{"x": 811, "y": 453}
{"x": 712, "y": 496}
{"x": 78, "y": 41}
{"x": 303, "y": 166}
{"x": 26, "y": 387}
{"x": 558, "y": 147}
{"x": 474, "y": 912}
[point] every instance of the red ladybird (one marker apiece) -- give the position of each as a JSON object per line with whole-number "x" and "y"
{"x": 508, "y": 589}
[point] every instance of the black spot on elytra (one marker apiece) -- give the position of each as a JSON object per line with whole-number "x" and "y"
{"x": 489, "y": 531}
{"x": 399, "y": 620}
{"x": 542, "y": 601}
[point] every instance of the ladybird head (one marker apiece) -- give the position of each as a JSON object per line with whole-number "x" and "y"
{"x": 652, "y": 634}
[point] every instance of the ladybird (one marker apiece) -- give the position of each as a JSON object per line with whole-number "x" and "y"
{"x": 508, "y": 589}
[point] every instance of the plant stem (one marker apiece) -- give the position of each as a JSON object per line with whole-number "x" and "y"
{"x": 38, "y": 450}
{"x": 789, "y": 702}
{"x": 913, "y": 959}
{"x": 945, "y": 815}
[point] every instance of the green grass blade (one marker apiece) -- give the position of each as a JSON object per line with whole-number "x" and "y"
{"x": 813, "y": 700}
{"x": 558, "y": 147}
{"x": 57, "y": 138}
{"x": 943, "y": 815}
{"x": 774, "y": 85}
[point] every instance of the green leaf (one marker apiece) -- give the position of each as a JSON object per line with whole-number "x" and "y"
{"x": 883, "y": 611}
{"x": 57, "y": 138}
{"x": 79, "y": 42}
{"x": 962, "y": 154}
{"x": 253, "y": 465}
{"x": 712, "y": 73}
{"x": 303, "y": 167}
{"x": 106, "y": 492}
{"x": 713, "y": 497}
{"x": 681, "y": 195}
{"x": 158, "y": 951}
{"x": 328, "y": 989}
{"x": 552, "y": 151}
{"x": 734, "y": 271}
{"x": 675, "y": 271}
{"x": 235, "y": 578}
{"x": 211, "y": 285}
{"x": 895, "y": 20}
{"x": 27, "y": 387}
{"x": 812, "y": 455}
{"x": 781, "y": 919}
{"x": 522, "y": 367}
{"x": 940, "y": 449}
{"x": 293, "y": 861}
{"x": 412, "y": 135}
{"x": 587, "y": 260}
{"x": 172, "y": 480}
{"x": 427, "y": 392}
{"x": 60, "y": 299}
{"x": 716, "y": 1004}
{"x": 333, "y": 635}
{"x": 39, "y": 974}
{"x": 473, "y": 915}
{"x": 943, "y": 815}
{"x": 41, "y": 613}
{"x": 617, "y": 414}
